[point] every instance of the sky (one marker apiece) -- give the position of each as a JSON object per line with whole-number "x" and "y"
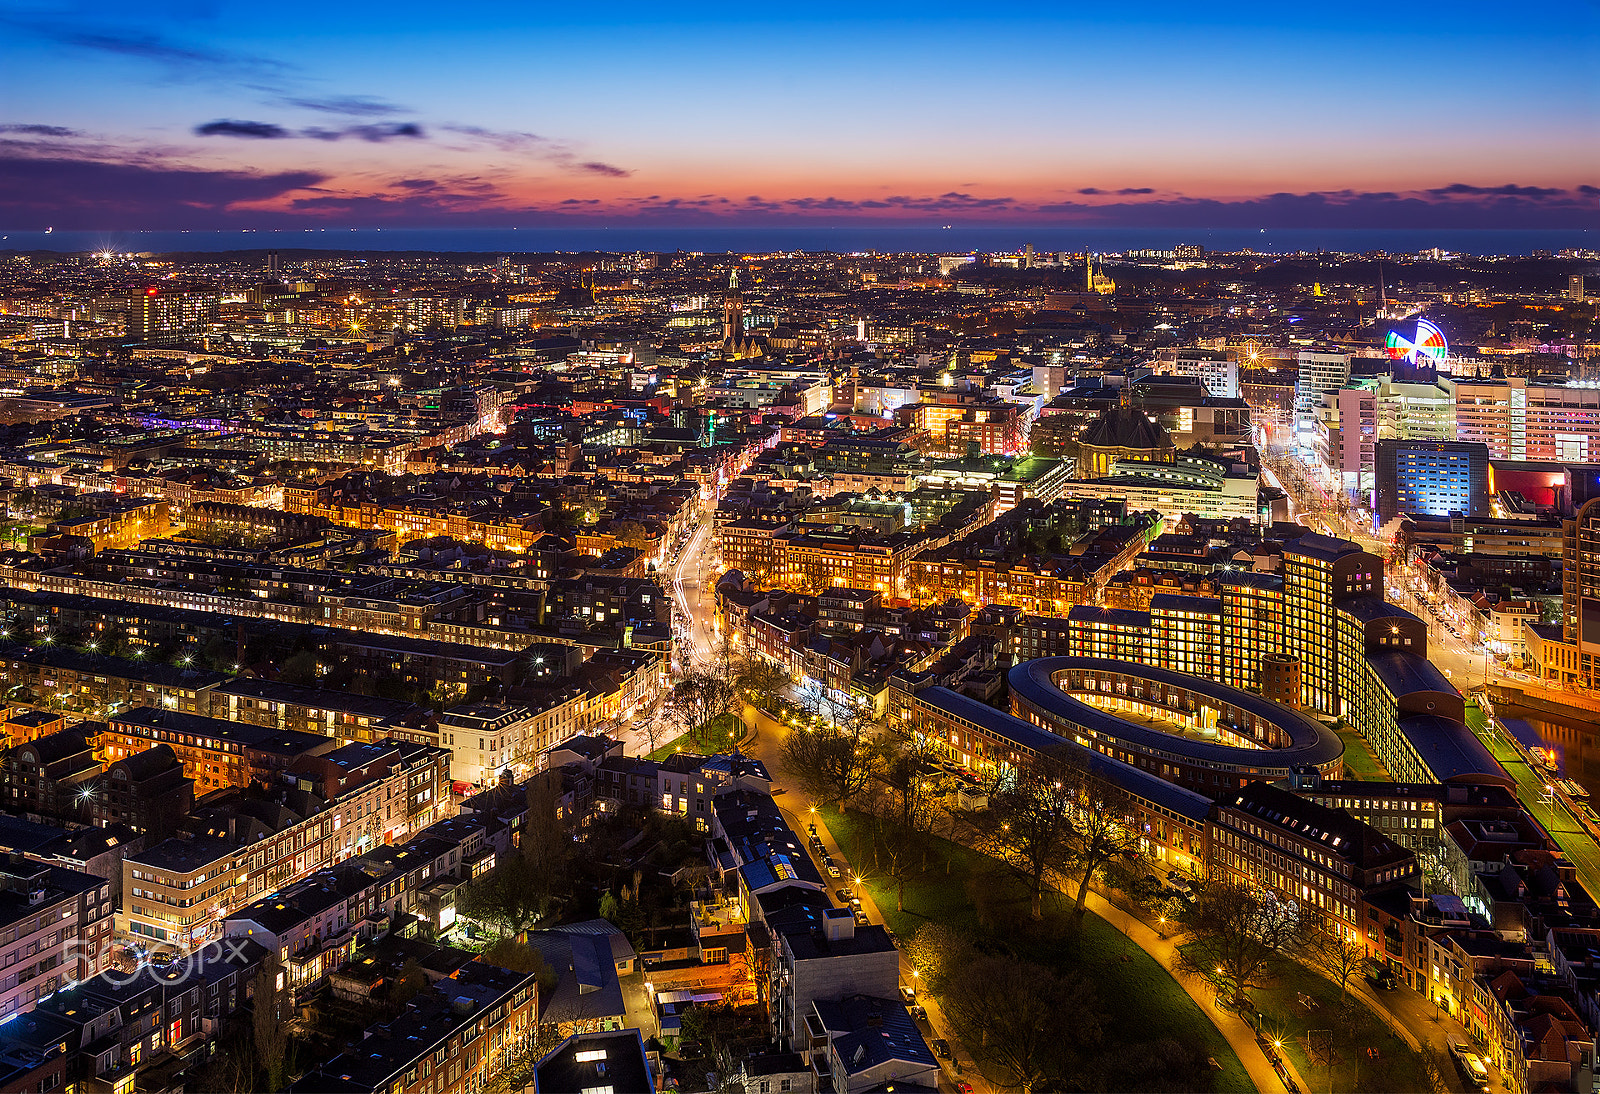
{"x": 211, "y": 113}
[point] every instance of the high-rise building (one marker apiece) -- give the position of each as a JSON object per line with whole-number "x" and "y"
{"x": 1349, "y": 429}
{"x": 1415, "y": 412}
{"x": 1319, "y": 374}
{"x": 1433, "y": 477}
{"x": 275, "y": 265}
{"x": 1216, "y": 371}
{"x": 1520, "y": 420}
{"x": 1575, "y": 290}
{"x": 155, "y": 312}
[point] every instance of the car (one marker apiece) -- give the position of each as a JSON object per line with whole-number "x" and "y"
{"x": 1472, "y": 1067}
{"x": 812, "y": 828}
{"x": 834, "y": 871}
{"x": 918, "y": 1011}
{"x": 941, "y": 1048}
{"x": 843, "y": 895}
{"x": 964, "y": 1087}
{"x": 908, "y": 993}
{"x": 827, "y": 860}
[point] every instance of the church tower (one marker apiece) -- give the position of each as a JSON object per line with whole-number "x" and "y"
{"x": 732, "y": 317}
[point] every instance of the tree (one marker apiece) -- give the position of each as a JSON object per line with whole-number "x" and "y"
{"x": 938, "y": 952}
{"x": 899, "y": 805}
{"x": 1100, "y": 835}
{"x": 1336, "y": 955}
{"x": 759, "y": 680}
{"x": 726, "y": 1033}
{"x": 515, "y": 1072}
{"x": 508, "y": 899}
{"x": 1234, "y": 933}
{"x": 698, "y": 698}
{"x": 1026, "y": 1025}
{"x": 832, "y": 764}
{"x": 1030, "y": 825}
{"x": 269, "y": 1018}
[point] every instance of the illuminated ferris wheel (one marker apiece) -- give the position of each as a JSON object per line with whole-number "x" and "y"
{"x": 1427, "y": 346}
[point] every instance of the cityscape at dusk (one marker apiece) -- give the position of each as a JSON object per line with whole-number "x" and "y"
{"x": 205, "y": 113}
{"x": 621, "y": 550}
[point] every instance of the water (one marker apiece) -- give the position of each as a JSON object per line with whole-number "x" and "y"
{"x": 843, "y": 238}
{"x": 1576, "y": 744}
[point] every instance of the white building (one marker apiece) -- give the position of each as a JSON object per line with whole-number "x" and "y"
{"x": 1319, "y": 374}
{"x": 1215, "y": 370}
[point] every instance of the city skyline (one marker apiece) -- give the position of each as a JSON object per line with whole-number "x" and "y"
{"x": 205, "y": 115}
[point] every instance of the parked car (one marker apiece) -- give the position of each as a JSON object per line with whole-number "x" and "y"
{"x": 918, "y": 1011}
{"x": 843, "y": 895}
{"x": 907, "y": 993}
{"x": 941, "y": 1048}
{"x": 1471, "y": 1065}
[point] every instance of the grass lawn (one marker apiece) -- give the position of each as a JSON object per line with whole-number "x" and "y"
{"x": 1359, "y": 760}
{"x": 964, "y": 890}
{"x": 1353, "y": 1028}
{"x": 720, "y": 734}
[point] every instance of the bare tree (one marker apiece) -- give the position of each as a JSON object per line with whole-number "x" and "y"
{"x": 832, "y": 764}
{"x": 1235, "y": 933}
{"x": 1336, "y": 955}
{"x": 1024, "y": 1023}
{"x": 698, "y": 699}
{"x": 758, "y": 680}
{"x": 1101, "y": 834}
{"x": 1030, "y": 825}
{"x": 270, "y": 1015}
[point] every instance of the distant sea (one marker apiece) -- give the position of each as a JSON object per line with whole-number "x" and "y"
{"x": 840, "y": 239}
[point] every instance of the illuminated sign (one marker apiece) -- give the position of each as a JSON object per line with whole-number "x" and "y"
{"x": 1426, "y": 346}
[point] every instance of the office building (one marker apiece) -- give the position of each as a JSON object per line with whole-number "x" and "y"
{"x": 155, "y": 312}
{"x": 1318, "y": 374}
{"x": 1214, "y": 368}
{"x": 1436, "y": 478}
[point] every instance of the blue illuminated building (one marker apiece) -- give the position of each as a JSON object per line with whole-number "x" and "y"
{"x": 1433, "y": 477}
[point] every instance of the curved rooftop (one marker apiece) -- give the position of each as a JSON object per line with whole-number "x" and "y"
{"x": 1310, "y": 742}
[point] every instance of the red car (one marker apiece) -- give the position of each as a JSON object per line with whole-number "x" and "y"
{"x": 964, "y": 1086}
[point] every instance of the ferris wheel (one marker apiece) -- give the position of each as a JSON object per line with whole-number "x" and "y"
{"x": 1427, "y": 345}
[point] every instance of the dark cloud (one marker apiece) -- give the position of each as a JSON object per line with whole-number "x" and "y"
{"x": 91, "y": 195}
{"x": 1509, "y": 190}
{"x": 227, "y": 127}
{"x": 1091, "y": 191}
{"x": 353, "y": 106}
{"x": 29, "y": 130}
{"x": 608, "y": 170}
{"x": 374, "y": 133}
{"x": 1590, "y": 190}
{"x": 1127, "y": 191}
{"x": 416, "y": 184}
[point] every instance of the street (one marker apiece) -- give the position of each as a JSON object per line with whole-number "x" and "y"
{"x": 693, "y": 628}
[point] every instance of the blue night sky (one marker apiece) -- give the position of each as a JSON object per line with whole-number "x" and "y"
{"x": 200, "y": 114}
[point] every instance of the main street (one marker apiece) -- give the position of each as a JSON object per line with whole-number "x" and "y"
{"x": 693, "y": 630}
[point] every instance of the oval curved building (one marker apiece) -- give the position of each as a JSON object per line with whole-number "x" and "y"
{"x": 1188, "y": 730}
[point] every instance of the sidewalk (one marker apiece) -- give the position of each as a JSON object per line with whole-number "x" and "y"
{"x": 1239, "y": 1034}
